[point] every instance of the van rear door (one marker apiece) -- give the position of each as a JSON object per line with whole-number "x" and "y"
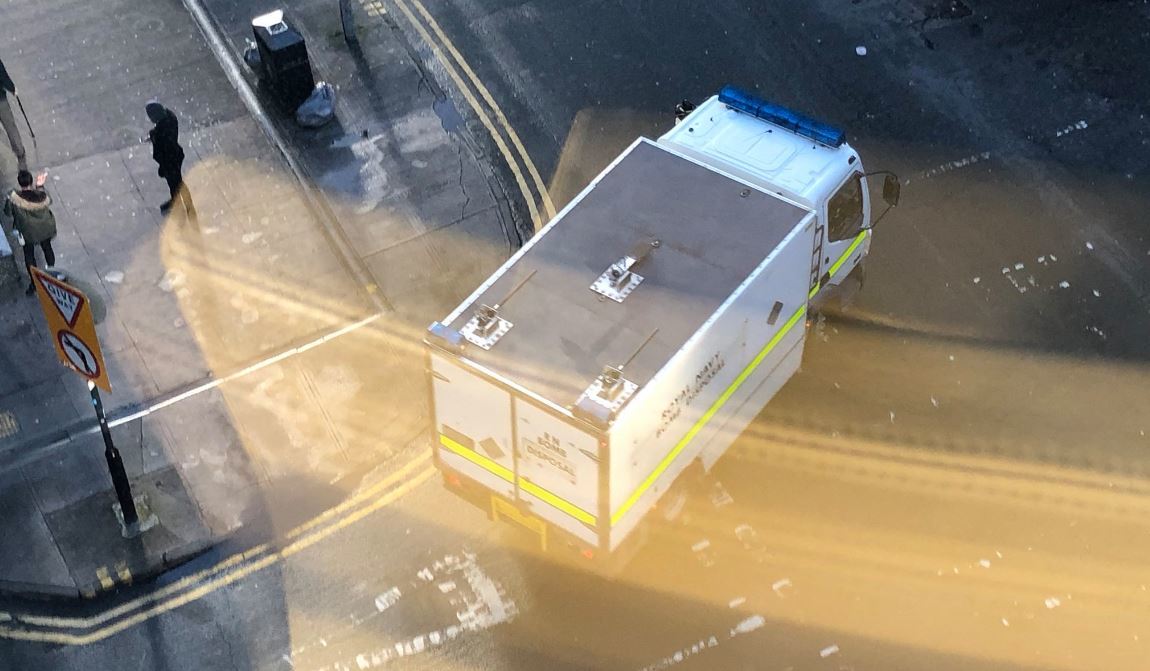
{"x": 473, "y": 425}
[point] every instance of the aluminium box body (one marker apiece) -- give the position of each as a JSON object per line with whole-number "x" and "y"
{"x": 710, "y": 330}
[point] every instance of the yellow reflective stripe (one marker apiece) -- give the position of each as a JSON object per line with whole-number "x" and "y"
{"x": 850, "y": 250}
{"x": 839, "y": 263}
{"x": 478, "y": 459}
{"x": 719, "y": 402}
{"x": 556, "y": 502}
{"x": 530, "y": 487}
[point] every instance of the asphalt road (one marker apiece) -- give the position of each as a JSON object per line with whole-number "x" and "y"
{"x": 983, "y": 127}
{"x": 956, "y": 480}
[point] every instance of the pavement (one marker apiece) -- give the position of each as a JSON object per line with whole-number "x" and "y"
{"x": 263, "y": 358}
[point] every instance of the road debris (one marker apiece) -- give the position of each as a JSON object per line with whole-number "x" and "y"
{"x": 720, "y": 496}
{"x": 750, "y": 540}
{"x": 704, "y": 553}
{"x": 173, "y": 279}
{"x": 860, "y": 50}
{"x": 828, "y": 651}
{"x": 1053, "y": 602}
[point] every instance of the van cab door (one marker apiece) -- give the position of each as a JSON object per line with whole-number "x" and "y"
{"x": 846, "y": 212}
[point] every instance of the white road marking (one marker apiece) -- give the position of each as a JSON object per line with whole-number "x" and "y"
{"x": 742, "y": 628}
{"x": 951, "y": 166}
{"x": 484, "y": 606}
{"x": 1081, "y": 125}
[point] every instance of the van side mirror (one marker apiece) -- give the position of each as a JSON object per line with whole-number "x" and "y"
{"x": 891, "y": 189}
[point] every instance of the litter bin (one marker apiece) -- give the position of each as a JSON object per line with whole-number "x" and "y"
{"x": 284, "y": 59}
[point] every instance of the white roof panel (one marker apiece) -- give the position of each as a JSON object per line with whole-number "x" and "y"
{"x": 768, "y": 154}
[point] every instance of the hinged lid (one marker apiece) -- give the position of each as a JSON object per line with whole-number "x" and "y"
{"x": 273, "y": 22}
{"x": 618, "y": 281}
{"x": 486, "y": 327}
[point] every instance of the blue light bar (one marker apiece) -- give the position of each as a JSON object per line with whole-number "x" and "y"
{"x": 818, "y": 131}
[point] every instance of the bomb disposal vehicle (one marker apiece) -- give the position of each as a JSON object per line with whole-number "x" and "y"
{"x": 624, "y": 348}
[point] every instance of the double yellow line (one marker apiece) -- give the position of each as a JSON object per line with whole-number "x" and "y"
{"x": 87, "y": 630}
{"x": 453, "y": 62}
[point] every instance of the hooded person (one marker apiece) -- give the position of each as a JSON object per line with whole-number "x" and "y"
{"x": 168, "y": 154}
{"x": 8, "y": 120}
{"x": 30, "y": 208}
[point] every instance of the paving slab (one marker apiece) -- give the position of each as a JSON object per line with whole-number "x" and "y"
{"x": 91, "y": 541}
{"x": 30, "y": 555}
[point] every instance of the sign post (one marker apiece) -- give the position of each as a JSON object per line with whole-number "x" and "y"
{"x": 74, "y": 334}
{"x": 115, "y": 463}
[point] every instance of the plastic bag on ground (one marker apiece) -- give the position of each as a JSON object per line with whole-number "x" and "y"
{"x": 319, "y": 108}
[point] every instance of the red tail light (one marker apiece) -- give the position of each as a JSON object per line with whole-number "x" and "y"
{"x": 453, "y": 480}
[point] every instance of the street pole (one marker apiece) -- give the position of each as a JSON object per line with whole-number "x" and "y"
{"x": 347, "y": 21}
{"x": 115, "y": 463}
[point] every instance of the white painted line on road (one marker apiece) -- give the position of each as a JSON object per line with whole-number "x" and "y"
{"x": 742, "y": 628}
{"x": 484, "y": 606}
{"x": 387, "y": 599}
{"x": 1081, "y": 125}
{"x": 206, "y": 386}
{"x": 951, "y": 166}
{"x": 212, "y": 384}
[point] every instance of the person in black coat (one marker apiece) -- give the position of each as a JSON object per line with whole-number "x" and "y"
{"x": 8, "y": 120}
{"x": 168, "y": 154}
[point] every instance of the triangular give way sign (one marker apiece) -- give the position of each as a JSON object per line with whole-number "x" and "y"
{"x": 68, "y": 300}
